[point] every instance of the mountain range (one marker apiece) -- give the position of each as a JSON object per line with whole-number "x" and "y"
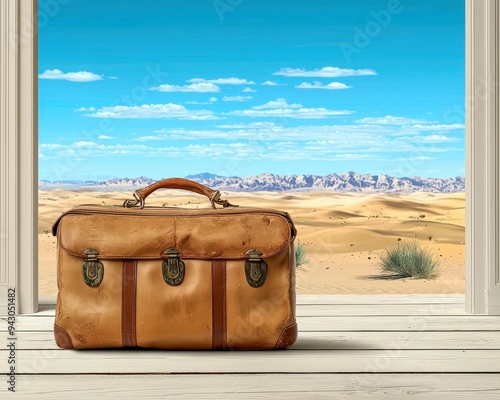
{"x": 348, "y": 182}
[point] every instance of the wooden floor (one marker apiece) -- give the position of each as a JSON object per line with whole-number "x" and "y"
{"x": 366, "y": 346}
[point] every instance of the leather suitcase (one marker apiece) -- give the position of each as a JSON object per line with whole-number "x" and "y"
{"x": 175, "y": 278}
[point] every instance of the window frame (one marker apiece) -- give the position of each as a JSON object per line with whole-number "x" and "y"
{"x": 482, "y": 156}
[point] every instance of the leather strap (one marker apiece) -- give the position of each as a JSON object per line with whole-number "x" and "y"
{"x": 219, "y": 326}
{"x": 177, "y": 183}
{"x": 129, "y": 292}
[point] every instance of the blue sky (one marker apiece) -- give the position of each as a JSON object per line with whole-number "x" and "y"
{"x": 240, "y": 87}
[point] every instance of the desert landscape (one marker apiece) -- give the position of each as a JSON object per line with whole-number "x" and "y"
{"x": 344, "y": 234}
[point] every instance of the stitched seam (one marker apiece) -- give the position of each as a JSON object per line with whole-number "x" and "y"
{"x": 213, "y": 305}
{"x": 129, "y": 271}
{"x": 174, "y": 229}
{"x": 174, "y": 216}
{"x": 224, "y": 321}
{"x": 134, "y": 304}
{"x": 120, "y": 257}
{"x": 93, "y": 211}
{"x": 124, "y": 338}
{"x": 123, "y": 302}
{"x": 219, "y": 327}
{"x": 279, "y": 343}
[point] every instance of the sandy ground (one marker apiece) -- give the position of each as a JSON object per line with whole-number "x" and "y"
{"x": 343, "y": 234}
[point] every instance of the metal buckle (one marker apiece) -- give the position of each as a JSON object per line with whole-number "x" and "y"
{"x": 217, "y": 200}
{"x": 255, "y": 268}
{"x": 137, "y": 202}
{"x": 173, "y": 269}
{"x": 92, "y": 268}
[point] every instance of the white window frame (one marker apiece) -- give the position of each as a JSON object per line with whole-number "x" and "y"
{"x": 19, "y": 155}
{"x": 482, "y": 156}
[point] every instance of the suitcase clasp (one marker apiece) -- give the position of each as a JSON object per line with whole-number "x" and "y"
{"x": 173, "y": 268}
{"x": 92, "y": 268}
{"x": 255, "y": 268}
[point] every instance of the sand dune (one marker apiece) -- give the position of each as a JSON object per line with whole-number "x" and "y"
{"x": 344, "y": 234}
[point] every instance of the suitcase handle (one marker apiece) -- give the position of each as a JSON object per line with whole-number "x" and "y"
{"x": 177, "y": 183}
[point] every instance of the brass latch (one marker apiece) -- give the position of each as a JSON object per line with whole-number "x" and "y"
{"x": 173, "y": 268}
{"x": 255, "y": 268}
{"x": 92, "y": 268}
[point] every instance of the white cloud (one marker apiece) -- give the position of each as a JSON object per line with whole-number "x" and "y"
{"x": 222, "y": 81}
{"x": 50, "y": 146}
{"x": 390, "y": 120}
{"x": 83, "y": 109}
{"x": 271, "y": 83}
{"x": 356, "y": 156}
{"x": 417, "y": 158}
{"x": 376, "y": 137}
{"x": 211, "y": 100}
{"x": 167, "y": 111}
{"x": 105, "y": 137}
{"x": 440, "y": 127}
{"x": 301, "y": 113}
{"x": 214, "y": 150}
{"x": 318, "y": 85}
{"x": 438, "y": 138}
{"x": 266, "y": 140}
{"x": 249, "y": 90}
{"x": 83, "y": 143}
{"x": 236, "y": 98}
{"x": 67, "y": 153}
{"x": 252, "y": 125}
{"x": 151, "y": 138}
{"x": 325, "y": 72}
{"x": 202, "y": 87}
{"x": 43, "y": 157}
{"x": 197, "y": 102}
{"x": 81, "y": 76}
{"x": 278, "y": 103}
{"x": 112, "y": 77}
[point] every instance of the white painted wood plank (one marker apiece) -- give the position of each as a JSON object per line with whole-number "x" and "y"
{"x": 455, "y": 340}
{"x": 285, "y": 361}
{"x": 375, "y": 299}
{"x": 397, "y": 340}
{"x": 315, "y": 310}
{"x": 400, "y": 323}
{"x": 296, "y": 386}
{"x": 333, "y": 324}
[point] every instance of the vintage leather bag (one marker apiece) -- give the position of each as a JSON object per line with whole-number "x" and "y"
{"x": 175, "y": 278}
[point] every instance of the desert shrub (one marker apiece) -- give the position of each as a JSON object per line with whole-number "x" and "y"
{"x": 300, "y": 255}
{"x": 409, "y": 259}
